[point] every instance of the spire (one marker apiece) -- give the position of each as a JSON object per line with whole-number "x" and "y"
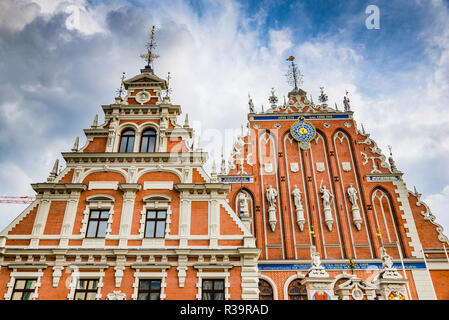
{"x": 75, "y": 145}
{"x": 95, "y": 123}
{"x": 213, "y": 175}
{"x": 294, "y": 77}
{"x": 53, "y": 172}
{"x": 150, "y": 46}
{"x": 186, "y": 121}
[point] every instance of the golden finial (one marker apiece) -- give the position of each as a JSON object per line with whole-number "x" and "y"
{"x": 150, "y": 46}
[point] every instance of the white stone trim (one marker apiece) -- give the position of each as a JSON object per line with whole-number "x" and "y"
{"x": 153, "y": 204}
{"x": 77, "y": 275}
{"x": 103, "y": 185}
{"x": 212, "y": 275}
{"x": 158, "y": 185}
{"x": 97, "y": 205}
{"x": 19, "y": 275}
{"x": 138, "y": 275}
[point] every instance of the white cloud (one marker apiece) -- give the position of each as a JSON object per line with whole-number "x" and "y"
{"x": 439, "y": 205}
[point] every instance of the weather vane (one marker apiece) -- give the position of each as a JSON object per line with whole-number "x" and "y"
{"x": 293, "y": 75}
{"x": 323, "y": 97}
{"x": 120, "y": 90}
{"x": 150, "y": 46}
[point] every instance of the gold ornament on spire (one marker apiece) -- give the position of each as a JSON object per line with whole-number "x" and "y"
{"x": 294, "y": 77}
{"x": 150, "y": 46}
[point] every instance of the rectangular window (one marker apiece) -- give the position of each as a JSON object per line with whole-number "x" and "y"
{"x": 149, "y": 289}
{"x": 98, "y": 223}
{"x": 155, "y": 223}
{"x": 86, "y": 289}
{"x": 213, "y": 289}
{"x": 23, "y": 289}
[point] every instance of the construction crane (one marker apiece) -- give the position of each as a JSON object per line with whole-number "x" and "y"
{"x": 18, "y": 200}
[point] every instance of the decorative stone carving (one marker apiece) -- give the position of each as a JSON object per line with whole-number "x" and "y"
{"x": 116, "y": 295}
{"x": 271, "y": 195}
{"x": 300, "y": 220}
{"x": 357, "y": 289}
{"x": 268, "y": 167}
{"x": 325, "y": 196}
{"x": 294, "y": 167}
{"x": 346, "y": 166}
{"x": 143, "y": 97}
{"x": 390, "y": 282}
{"x": 356, "y": 218}
{"x": 320, "y": 166}
{"x": 243, "y": 204}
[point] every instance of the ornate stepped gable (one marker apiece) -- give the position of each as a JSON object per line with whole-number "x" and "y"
{"x": 307, "y": 207}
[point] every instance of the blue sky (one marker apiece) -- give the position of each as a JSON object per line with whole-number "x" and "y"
{"x": 61, "y": 60}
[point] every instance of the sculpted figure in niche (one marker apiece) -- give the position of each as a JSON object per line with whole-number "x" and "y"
{"x": 352, "y": 192}
{"x": 325, "y": 195}
{"x": 297, "y": 197}
{"x": 387, "y": 262}
{"x": 243, "y": 204}
{"x": 271, "y": 196}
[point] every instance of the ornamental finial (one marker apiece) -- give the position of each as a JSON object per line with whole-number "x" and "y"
{"x": 294, "y": 77}
{"x": 150, "y": 46}
{"x": 119, "y": 91}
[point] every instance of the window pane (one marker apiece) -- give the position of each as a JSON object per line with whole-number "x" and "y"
{"x": 123, "y": 144}
{"x": 20, "y": 284}
{"x": 207, "y": 284}
{"x": 26, "y": 296}
{"x": 154, "y": 296}
{"x": 130, "y": 144}
{"x": 207, "y": 296}
{"x": 142, "y": 296}
{"x": 92, "y": 230}
{"x": 79, "y": 296}
{"x": 219, "y": 296}
{"x": 144, "y": 144}
{"x": 152, "y": 144}
{"x": 160, "y": 229}
{"x": 93, "y": 284}
{"x": 91, "y": 295}
{"x": 104, "y": 214}
{"x": 218, "y": 285}
{"x": 31, "y": 284}
{"x": 16, "y": 296}
{"x": 151, "y": 214}
{"x": 94, "y": 214}
{"x": 102, "y": 229}
{"x": 149, "y": 231}
{"x": 82, "y": 284}
{"x": 161, "y": 214}
{"x": 144, "y": 285}
{"x": 155, "y": 285}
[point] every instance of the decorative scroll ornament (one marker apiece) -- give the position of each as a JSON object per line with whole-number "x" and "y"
{"x": 303, "y": 131}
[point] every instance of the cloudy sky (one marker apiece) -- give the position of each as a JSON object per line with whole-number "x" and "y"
{"x": 61, "y": 60}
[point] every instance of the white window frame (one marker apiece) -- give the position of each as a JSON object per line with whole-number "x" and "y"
{"x": 20, "y": 275}
{"x": 139, "y": 275}
{"x": 97, "y": 202}
{"x": 155, "y": 202}
{"x": 213, "y": 275}
{"x": 78, "y": 274}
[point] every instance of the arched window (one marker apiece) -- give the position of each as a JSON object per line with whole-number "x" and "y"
{"x": 265, "y": 290}
{"x": 296, "y": 291}
{"x": 148, "y": 141}
{"x": 127, "y": 141}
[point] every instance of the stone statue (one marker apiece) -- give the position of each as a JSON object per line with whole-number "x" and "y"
{"x": 251, "y": 105}
{"x": 297, "y": 197}
{"x": 315, "y": 256}
{"x": 271, "y": 196}
{"x": 326, "y": 195}
{"x": 243, "y": 204}
{"x": 387, "y": 261}
{"x": 346, "y": 102}
{"x": 352, "y": 192}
